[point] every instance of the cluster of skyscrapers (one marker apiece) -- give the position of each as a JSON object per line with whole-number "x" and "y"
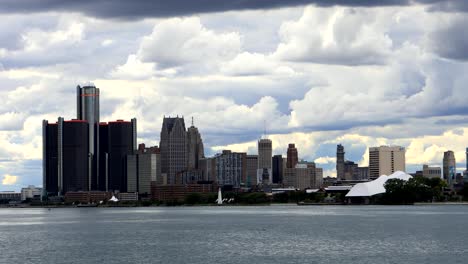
{"x": 87, "y": 155}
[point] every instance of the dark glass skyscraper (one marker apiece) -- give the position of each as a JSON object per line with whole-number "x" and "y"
{"x": 277, "y": 169}
{"x": 173, "y": 147}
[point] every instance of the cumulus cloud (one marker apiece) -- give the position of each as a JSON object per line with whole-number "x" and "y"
{"x": 450, "y": 39}
{"x": 176, "y": 42}
{"x": 9, "y": 179}
{"x": 338, "y": 36}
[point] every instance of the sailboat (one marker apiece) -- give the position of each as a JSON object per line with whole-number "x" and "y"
{"x": 220, "y": 197}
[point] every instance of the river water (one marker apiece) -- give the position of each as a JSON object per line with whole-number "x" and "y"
{"x": 266, "y": 234}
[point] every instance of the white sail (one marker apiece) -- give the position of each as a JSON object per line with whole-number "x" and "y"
{"x": 220, "y": 197}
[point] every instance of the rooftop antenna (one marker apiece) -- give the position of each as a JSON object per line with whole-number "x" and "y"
{"x": 192, "y": 120}
{"x": 264, "y": 127}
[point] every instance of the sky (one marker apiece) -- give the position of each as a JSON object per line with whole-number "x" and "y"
{"x": 362, "y": 73}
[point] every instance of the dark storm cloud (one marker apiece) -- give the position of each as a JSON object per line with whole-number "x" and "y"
{"x": 452, "y": 41}
{"x": 124, "y": 9}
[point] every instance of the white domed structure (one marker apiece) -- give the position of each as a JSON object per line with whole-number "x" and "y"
{"x": 376, "y": 186}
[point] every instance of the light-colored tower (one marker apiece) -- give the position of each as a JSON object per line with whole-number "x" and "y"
{"x": 195, "y": 149}
{"x": 264, "y": 169}
{"x": 386, "y": 160}
{"x": 340, "y": 162}
{"x": 173, "y": 146}
{"x": 450, "y": 167}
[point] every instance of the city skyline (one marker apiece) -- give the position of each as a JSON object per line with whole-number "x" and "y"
{"x": 383, "y": 75}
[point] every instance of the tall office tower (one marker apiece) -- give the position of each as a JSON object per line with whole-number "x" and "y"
{"x": 121, "y": 141}
{"x": 277, "y": 169}
{"x": 66, "y": 160}
{"x": 87, "y": 103}
{"x": 340, "y": 162}
{"x": 449, "y": 167}
{"x": 230, "y": 168}
{"x": 264, "y": 169}
{"x": 195, "y": 150}
{"x": 292, "y": 156}
{"x": 301, "y": 177}
{"x": 250, "y": 179}
{"x": 173, "y": 147}
{"x": 386, "y": 160}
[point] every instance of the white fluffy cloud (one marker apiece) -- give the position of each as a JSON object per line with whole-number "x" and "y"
{"x": 9, "y": 179}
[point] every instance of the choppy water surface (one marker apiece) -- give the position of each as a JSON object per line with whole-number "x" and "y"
{"x": 270, "y": 234}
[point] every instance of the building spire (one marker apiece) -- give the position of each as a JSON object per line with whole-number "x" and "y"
{"x": 192, "y": 120}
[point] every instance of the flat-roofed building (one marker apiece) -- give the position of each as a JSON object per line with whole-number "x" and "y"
{"x": 431, "y": 172}
{"x": 386, "y": 160}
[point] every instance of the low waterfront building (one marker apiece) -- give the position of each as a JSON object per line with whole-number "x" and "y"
{"x": 177, "y": 192}
{"x": 87, "y": 197}
{"x": 8, "y": 196}
{"x": 30, "y": 192}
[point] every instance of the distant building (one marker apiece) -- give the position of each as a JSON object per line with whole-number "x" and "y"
{"x": 230, "y": 168}
{"x": 449, "y": 167}
{"x": 318, "y": 177}
{"x": 265, "y": 166}
{"x": 292, "y": 156}
{"x": 195, "y": 149}
{"x": 208, "y": 168}
{"x": 143, "y": 167}
{"x": 251, "y": 171}
{"x": 178, "y": 192}
{"x": 30, "y": 192}
{"x": 121, "y": 141}
{"x": 278, "y": 169}
{"x": 340, "y": 162}
{"x": 431, "y": 172}
{"x": 349, "y": 169}
{"x": 173, "y": 147}
{"x": 361, "y": 173}
{"x": 66, "y": 163}
{"x": 7, "y": 196}
{"x": 386, "y": 160}
{"x": 301, "y": 177}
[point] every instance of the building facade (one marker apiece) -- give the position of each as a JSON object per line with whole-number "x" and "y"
{"x": 340, "y": 162}
{"x": 30, "y": 192}
{"x": 449, "y": 167}
{"x": 302, "y": 177}
{"x": 431, "y": 172}
{"x": 292, "y": 156}
{"x": 250, "y": 179}
{"x": 386, "y": 160}
{"x": 265, "y": 166}
{"x": 230, "y": 168}
{"x": 278, "y": 169}
{"x": 173, "y": 147}
{"x": 195, "y": 149}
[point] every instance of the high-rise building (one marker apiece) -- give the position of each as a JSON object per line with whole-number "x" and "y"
{"x": 83, "y": 154}
{"x": 361, "y": 173}
{"x": 230, "y": 168}
{"x": 195, "y": 150}
{"x": 67, "y": 164}
{"x": 349, "y": 170}
{"x": 173, "y": 145}
{"x": 292, "y": 156}
{"x": 264, "y": 169}
{"x": 318, "y": 177}
{"x": 449, "y": 167}
{"x": 340, "y": 162}
{"x": 386, "y": 160}
{"x": 278, "y": 169}
{"x": 87, "y": 103}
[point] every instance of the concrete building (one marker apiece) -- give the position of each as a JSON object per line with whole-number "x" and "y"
{"x": 143, "y": 167}
{"x": 278, "y": 168}
{"x": 173, "y": 147}
{"x": 208, "y": 168}
{"x": 7, "y": 196}
{"x": 302, "y": 177}
{"x": 386, "y": 160}
{"x": 340, "y": 162}
{"x": 292, "y": 156}
{"x": 361, "y": 173}
{"x": 349, "y": 169}
{"x": 30, "y": 192}
{"x": 431, "y": 172}
{"x": 230, "y": 168}
{"x": 251, "y": 171}
{"x": 449, "y": 167}
{"x": 319, "y": 177}
{"x": 265, "y": 166}
{"x": 195, "y": 149}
